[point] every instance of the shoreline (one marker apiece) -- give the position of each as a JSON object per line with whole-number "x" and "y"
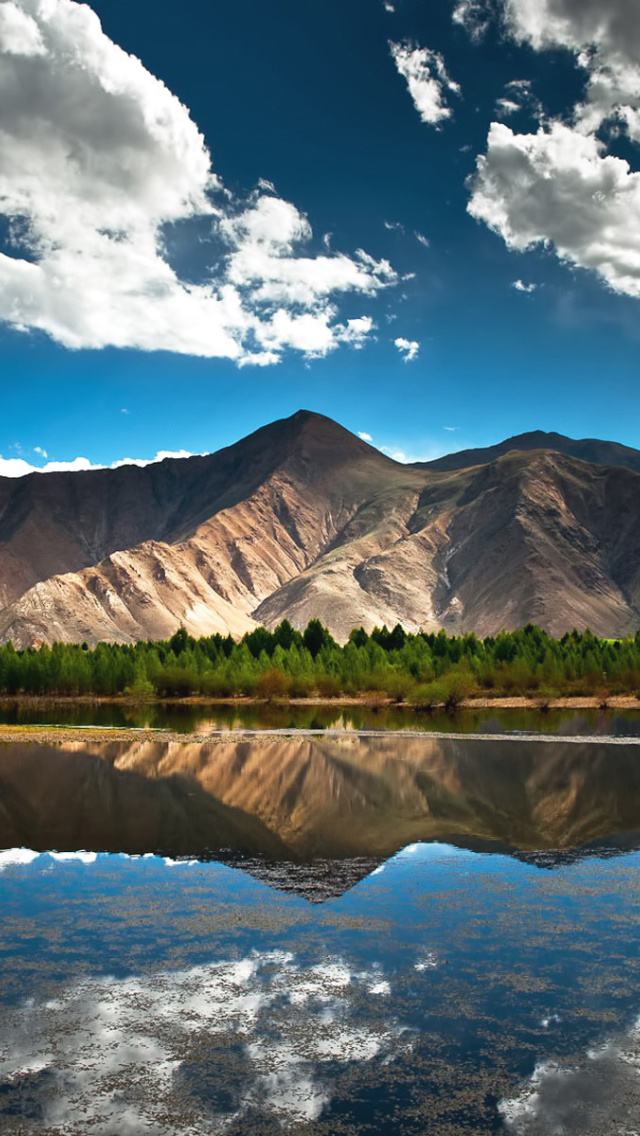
{"x": 83, "y": 735}
{"x": 59, "y": 734}
{"x": 482, "y": 702}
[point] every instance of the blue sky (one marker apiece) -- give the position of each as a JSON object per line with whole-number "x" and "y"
{"x": 121, "y": 255}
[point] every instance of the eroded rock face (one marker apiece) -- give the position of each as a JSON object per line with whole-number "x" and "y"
{"x": 303, "y": 520}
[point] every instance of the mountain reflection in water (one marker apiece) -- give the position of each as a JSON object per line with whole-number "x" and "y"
{"x": 302, "y": 799}
{"x": 438, "y": 982}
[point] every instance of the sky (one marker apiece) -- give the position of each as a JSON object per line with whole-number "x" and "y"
{"x": 419, "y": 217}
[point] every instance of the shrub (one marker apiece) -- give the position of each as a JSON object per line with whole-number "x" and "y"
{"x": 176, "y": 682}
{"x": 328, "y": 686}
{"x": 397, "y": 686}
{"x": 546, "y": 694}
{"x": 427, "y": 695}
{"x": 216, "y": 686}
{"x": 457, "y": 685}
{"x": 246, "y": 683}
{"x": 300, "y": 686}
{"x": 272, "y": 684}
{"x": 140, "y": 689}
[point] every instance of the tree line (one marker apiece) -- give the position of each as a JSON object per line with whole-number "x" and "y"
{"x": 425, "y": 669}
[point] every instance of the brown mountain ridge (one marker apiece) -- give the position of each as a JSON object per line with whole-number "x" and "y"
{"x": 302, "y": 519}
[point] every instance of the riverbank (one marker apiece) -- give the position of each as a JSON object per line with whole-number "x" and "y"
{"x": 90, "y": 736}
{"x": 365, "y": 701}
{"x": 86, "y": 721}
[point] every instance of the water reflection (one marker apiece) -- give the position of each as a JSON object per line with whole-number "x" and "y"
{"x": 191, "y": 718}
{"x": 433, "y": 983}
{"x": 449, "y": 993}
{"x": 318, "y": 799}
{"x": 271, "y": 1025}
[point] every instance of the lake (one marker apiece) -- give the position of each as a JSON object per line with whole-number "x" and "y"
{"x": 189, "y": 718}
{"x": 431, "y": 935}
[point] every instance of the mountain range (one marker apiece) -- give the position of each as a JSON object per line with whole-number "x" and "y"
{"x": 303, "y": 519}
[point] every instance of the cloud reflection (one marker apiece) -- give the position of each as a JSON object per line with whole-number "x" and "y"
{"x": 598, "y": 1096}
{"x": 193, "y": 1050}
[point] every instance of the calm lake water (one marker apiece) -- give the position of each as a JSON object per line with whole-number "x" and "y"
{"x": 404, "y": 935}
{"x": 189, "y": 719}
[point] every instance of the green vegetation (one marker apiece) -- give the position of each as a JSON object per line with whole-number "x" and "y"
{"x": 425, "y": 669}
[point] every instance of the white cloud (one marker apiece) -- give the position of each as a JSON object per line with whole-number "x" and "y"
{"x": 396, "y": 455}
{"x": 408, "y": 348}
{"x": 520, "y": 286}
{"x": 388, "y": 6}
{"x": 97, "y": 158}
{"x": 404, "y": 458}
{"x": 365, "y": 437}
{"x": 39, "y": 450}
{"x": 613, "y": 27}
{"x": 19, "y": 33}
{"x": 17, "y": 857}
{"x": 519, "y": 96}
{"x": 427, "y": 79}
{"x": 18, "y": 467}
{"x": 422, "y": 240}
{"x": 474, "y": 16}
{"x": 506, "y": 107}
{"x": 263, "y": 259}
{"x": 451, "y": 429}
{"x": 358, "y": 331}
{"x": 605, "y": 39}
{"x": 394, "y": 226}
{"x": 558, "y": 188}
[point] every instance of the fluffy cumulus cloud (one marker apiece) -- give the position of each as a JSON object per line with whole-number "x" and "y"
{"x": 408, "y": 348}
{"x": 605, "y": 38}
{"x": 427, "y": 79}
{"x": 557, "y": 187}
{"x": 98, "y": 160}
{"x": 142, "y": 1054}
{"x": 561, "y": 186}
{"x": 611, "y": 29}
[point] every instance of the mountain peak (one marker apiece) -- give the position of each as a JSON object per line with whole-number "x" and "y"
{"x": 315, "y": 438}
{"x": 592, "y": 450}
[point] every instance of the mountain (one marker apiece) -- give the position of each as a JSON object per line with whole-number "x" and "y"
{"x": 586, "y": 449}
{"x": 302, "y": 519}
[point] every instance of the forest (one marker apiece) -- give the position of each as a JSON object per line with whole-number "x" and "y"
{"x": 424, "y": 670}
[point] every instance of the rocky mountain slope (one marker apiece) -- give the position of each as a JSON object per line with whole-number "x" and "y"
{"x": 302, "y": 519}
